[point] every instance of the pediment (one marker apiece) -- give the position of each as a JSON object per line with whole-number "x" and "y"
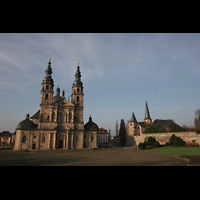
{"x": 62, "y": 102}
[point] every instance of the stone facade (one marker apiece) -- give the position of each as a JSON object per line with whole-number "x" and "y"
{"x": 59, "y": 123}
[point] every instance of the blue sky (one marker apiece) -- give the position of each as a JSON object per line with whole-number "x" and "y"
{"x": 119, "y": 72}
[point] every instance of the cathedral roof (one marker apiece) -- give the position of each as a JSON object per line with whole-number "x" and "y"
{"x": 26, "y": 124}
{"x": 36, "y": 115}
{"x": 63, "y": 101}
{"x": 91, "y": 126}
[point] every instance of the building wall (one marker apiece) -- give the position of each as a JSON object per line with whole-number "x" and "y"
{"x": 134, "y": 129}
{"x": 87, "y": 139}
{"x": 103, "y": 138}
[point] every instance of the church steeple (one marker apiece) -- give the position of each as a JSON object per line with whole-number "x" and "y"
{"x": 147, "y": 119}
{"x": 77, "y": 89}
{"x": 47, "y": 86}
{"x": 77, "y": 81}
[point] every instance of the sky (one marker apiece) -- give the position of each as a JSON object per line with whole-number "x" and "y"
{"x": 120, "y": 71}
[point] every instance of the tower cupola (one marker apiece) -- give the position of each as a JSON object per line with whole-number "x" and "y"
{"x": 77, "y": 81}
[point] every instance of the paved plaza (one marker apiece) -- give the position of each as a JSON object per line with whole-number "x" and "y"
{"x": 89, "y": 157}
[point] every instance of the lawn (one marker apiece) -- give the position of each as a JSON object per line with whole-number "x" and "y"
{"x": 179, "y": 151}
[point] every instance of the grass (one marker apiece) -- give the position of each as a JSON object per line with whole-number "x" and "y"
{"x": 179, "y": 151}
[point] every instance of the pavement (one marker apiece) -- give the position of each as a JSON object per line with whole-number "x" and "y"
{"x": 89, "y": 157}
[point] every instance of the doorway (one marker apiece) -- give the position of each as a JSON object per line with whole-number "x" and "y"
{"x": 60, "y": 144}
{"x": 33, "y": 146}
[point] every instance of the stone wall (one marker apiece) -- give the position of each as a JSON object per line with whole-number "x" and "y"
{"x": 162, "y": 138}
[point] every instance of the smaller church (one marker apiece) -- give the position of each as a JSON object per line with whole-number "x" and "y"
{"x": 137, "y": 128}
{"x": 58, "y": 124}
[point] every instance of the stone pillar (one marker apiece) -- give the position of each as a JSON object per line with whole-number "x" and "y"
{"x": 38, "y": 147}
{"x": 54, "y": 141}
{"x": 31, "y": 140}
{"x": 72, "y": 136}
{"x": 50, "y": 116}
{"x": 67, "y": 115}
{"x": 49, "y": 141}
{"x": 66, "y": 142}
{"x": 72, "y": 116}
{"x": 89, "y": 140}
{"x": 56, "y": 115}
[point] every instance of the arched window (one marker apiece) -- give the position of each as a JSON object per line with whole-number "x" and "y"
{"x": 77, "y": 99}
{"x": 53, "y": 116}
{"x": 46, "y": 97}
{"x": 43, "y": 138}
{"x": 92, "y": 138}
{"x": 77, "y": 89}
{"x": 70, "y": 115}
{"x": 24, "y": 139}
{"x": 47, "y": 87}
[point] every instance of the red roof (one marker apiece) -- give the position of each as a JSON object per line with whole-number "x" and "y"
{"x": 102, "y": 131}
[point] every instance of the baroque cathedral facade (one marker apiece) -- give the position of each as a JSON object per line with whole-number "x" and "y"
{"x": 58, "y": 124}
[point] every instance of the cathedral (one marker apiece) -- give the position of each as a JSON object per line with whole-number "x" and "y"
{"x": 58, "y": 124}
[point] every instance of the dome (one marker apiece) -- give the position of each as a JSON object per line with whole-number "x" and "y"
{"x": 91, "y": 126}
{"x": 26, "y": 124}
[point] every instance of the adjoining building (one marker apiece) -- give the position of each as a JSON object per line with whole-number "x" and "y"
{"x": 103, "y": 137}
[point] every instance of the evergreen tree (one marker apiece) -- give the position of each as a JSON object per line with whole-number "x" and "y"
{"x": 122, "y": 133}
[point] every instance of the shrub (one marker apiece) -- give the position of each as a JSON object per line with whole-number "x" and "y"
{"x": 167, "y": 144}
{"x": 171, "y": 139}
{"x": 151, "y": 141}
{"x": 142, "y": 146}
{"x": 177, "y": 141}
{"x": 193, "y": 144}
{"x": 156, "y": 144}
{"x": 146, "y": 139}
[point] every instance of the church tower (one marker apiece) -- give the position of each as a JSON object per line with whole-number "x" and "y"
{"x": 77, "y": 89}
{"x": 46, "y": 94}
{"x": 147, "y": 119}
{"x": 133, "y": 126}
{"x": 47, "y": 86}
